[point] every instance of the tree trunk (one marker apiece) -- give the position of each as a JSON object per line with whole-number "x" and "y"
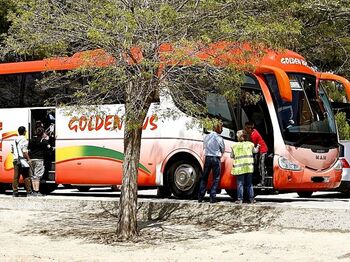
{"x": 127, "y": 227}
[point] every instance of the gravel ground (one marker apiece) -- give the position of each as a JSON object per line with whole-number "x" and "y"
{"x": 84, "y": 230}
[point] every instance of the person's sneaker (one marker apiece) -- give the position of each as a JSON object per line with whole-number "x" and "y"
{"x": 200, "y": 199}
{"x": 39, "y": 194}
{"x": 32, "y": 194}
{"x": 213, "y": 200}
{"x": 253, "y": 201}
{"x": 15, "y": 194}
{"x": 238, "y": 202}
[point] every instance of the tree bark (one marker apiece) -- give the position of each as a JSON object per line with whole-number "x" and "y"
{"x": 127, "y": 226}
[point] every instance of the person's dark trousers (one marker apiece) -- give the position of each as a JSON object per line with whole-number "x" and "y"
{"x": 245, "y": 181}
{"x": 211, "y": 163}
{"x": 18, "y": 171}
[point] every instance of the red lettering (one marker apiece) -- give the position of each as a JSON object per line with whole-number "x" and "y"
{"x": 152, "y": 120}
{"x": 145, "y": 123}
{"x": 90, "y": 124}
{"x": 72, "y": 125}
{"x": 108, "y": 122}
{"x": 117, "y": 123}
{"x": 99, "y": 123}
{"x": 82, "y": 123}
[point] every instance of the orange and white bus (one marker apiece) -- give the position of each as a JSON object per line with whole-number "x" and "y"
{"x": 295, "y": 121}
{"x": 338, "y": 91}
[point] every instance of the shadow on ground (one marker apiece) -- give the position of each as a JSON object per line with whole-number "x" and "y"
{"x": 157, "y": 222}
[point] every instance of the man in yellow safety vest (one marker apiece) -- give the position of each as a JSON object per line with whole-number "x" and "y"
{"x": 243, "y": 166}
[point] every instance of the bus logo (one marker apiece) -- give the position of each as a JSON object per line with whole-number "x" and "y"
{"x": 320, "y": 157}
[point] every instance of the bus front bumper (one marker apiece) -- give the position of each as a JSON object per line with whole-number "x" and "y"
{"x": 306, "y": 179}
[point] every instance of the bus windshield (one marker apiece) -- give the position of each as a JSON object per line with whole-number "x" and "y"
{"x": 308, "y": 120}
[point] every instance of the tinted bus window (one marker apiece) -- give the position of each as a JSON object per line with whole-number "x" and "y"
{"x": 23, "y": 90}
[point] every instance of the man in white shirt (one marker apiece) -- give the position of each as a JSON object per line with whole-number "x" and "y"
{"x": 20, "y": 150}
{"x": 214, "y": 147}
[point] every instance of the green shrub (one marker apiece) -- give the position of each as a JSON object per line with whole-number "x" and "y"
{"x": 343, "y": 126}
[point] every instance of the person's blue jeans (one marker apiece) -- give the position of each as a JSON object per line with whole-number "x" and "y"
{"x": 245, "y": 181}
{"x": 211, "y": 163}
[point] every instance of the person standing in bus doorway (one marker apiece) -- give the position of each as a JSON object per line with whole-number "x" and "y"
{"x": 214, "y": 147}
{"x": 38, "y": 147}
{"x": 20, "y": 152}
{"x": 257, "y": 139}
{"x": 243, "y": 167}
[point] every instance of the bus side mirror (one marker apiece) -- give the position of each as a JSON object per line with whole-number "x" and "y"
{"x": 282, "y": 78}
{"x": 333, "y": 77}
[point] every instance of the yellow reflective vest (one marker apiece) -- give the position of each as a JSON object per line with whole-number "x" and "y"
{"x": 243, "y": 158}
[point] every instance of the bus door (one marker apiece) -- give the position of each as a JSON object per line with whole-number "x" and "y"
{"x": 10, "y": 120}
{"x": 338, "y": 92}
{"x": 45, "y": 118}
{"x": 252, "y": 107}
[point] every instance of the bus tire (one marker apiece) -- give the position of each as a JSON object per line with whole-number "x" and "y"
{"x": 47, "y": 188}
{"x": 345, "y": 191}
{"x": 184, "y": 177}
{"x": 83, "y": 188}
{"x": 164, "y": 192}
{"x": 232, "y": 193}
{"x": 305, "y": 194}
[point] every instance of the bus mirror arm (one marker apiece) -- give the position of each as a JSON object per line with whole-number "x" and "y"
{"x": 282, "y": 78}
{"x": 333, "y": 77}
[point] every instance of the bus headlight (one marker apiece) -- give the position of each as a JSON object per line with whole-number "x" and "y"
{"x": 287, "y": 164}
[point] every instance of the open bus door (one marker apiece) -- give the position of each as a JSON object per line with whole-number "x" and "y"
{"x": 45, "y": 117}
{"x": 340, "y": 103}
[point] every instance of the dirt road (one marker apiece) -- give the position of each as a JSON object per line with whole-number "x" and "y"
{"x": 34, "y": 233}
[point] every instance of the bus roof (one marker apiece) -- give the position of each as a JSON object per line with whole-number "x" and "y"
{"x": 96, "y": 57}
{"x": 219, "y": 53}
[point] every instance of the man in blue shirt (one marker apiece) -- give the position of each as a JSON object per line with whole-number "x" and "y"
{"x": 214, "y": 147}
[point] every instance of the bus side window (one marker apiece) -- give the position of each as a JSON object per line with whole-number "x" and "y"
{"x": 218, "y": 107}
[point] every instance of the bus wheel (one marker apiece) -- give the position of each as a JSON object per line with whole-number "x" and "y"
{"x": 232, "y": 193}
{"x": 345, "y": 191}
{"x": 164, "y": 192}
{"x": 305, "y": 193}
{"x": 184, "y": 179}
{"x": 47, "y": 188}
{"x": 83, "y": 188}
